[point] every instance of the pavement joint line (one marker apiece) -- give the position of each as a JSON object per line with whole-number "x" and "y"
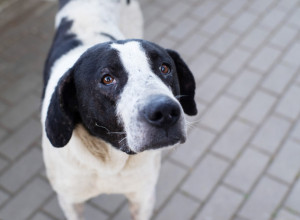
{"x": 295, "y": 212}
{"x": 289, "y": 190}
{"x": 40, "y": 208}
{"x": 258, "y": 149}
{"x": 172, "y": 194}
{"x": 264, "y": 171}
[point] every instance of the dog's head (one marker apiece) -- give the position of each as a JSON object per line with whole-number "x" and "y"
{"x": 132, "y": 94}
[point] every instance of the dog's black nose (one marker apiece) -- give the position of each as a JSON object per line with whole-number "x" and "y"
{"x": 162, "y": 111}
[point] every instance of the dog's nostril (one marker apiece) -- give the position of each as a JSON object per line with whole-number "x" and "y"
{"x": 156, "y": 116}
{"x": 162, "y": 112}
{"x": 175, "y": 113}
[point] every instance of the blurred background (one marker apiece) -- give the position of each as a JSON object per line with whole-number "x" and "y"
{"x": 242, "y": 157}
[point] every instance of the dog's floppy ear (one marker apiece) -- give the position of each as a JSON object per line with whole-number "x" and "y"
{"x": 186, "y": 83}
{"x": 62, "y": 111}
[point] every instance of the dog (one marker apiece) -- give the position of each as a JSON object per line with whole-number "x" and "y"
{"x": 111, "y": 102}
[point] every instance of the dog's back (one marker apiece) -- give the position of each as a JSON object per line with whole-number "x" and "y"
{"x": 84, "y": 23}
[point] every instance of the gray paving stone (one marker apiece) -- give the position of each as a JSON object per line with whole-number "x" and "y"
{"x": 292, "y": 54}
{"x": 286, "y": 215}
{"x": 244, "y": 84}
{"x": 3, "y": 133}
{"x": 22, "y": 170}
{"x": 215, "y": 24}
{"x": 3, "y": 197}
{"x": 41, "y": 216}
{"x": 197, "y": 142}
{"x": 223, "y": 42}
{"x": 123, "y": 214}
{"x": 183, "y": 27}
{"x": 225, "y": 201}
{"x": 52, "y": 207}
{"x": 287, "y": 4}
{"x": 264, "y": 59}
{"x": 284, "y": 36}
{"x": 168, "y": 42}
{"x": 211, "y": 87}
{"x": 176, "y": 11}
{"x": 155, "y": 29}
{"x": 202, "y": 64}
{"x": 273, "y": 18}
{"x": 243, "y": 22}
{"x": 109, "y": 203}
{"x": 293, "y": 199}
{"x": 220, "y": 113}
{"x": 255, "y": 38}
{"x": 278, "y": 79}
{"x": 180, "y": 207}
{"x": 204, "y": 10}
{"x": 3, "y": 106}
{"x": 27, "y": 201}
{"x": 20, "y": 112}
{"x": 258, "y": 107}
{"x": 294, "y": 19}
{"x": 20, "y": 88}
{"x": 205, "y": 177}
{"x": 21, "y": 139}
{"x": 298, "y": 79}
{"x": 192, "y": 44}
{"x": 233, "y": 7}
{"x": 169, "y": 178}
{"x": 264, "y": 200}
{"x": 288, "y": 105}
{"x": 286, "y": 165}
{"x": 233, "y": 139}
{"x": 260, "y": 6}
{"x": 3, "y": 164}
{"x": 271, "y": 134}
{"x": 150, "y": 13}
{"x": 234, "y": 61}
{"x": 246, "y": 170}
{"x": 295, "y": 133}
{"x": 91, "y": 213}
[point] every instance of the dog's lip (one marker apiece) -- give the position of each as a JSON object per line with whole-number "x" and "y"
{"x": 162, "y": 144}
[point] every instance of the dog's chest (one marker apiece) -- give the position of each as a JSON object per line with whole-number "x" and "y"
{"x": 86, "y": 173}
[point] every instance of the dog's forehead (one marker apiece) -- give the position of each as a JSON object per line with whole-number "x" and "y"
{"x": 132, "y": 55}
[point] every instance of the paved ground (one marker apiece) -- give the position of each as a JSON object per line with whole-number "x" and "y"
{"x": 242, "y": 159}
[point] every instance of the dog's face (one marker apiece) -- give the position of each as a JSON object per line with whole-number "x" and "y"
{"x": 132, "y": 94}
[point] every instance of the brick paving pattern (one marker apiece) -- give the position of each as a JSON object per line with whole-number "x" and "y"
{"x": 242, "y": 158}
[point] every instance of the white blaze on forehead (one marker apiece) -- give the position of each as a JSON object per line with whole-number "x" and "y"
{"x": 133, "y": 57}
{"x": 142, "y": 83}
{"x": 136, "y": 64}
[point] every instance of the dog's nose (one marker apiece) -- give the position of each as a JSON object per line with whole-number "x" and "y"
{"x": 162, "y": 111}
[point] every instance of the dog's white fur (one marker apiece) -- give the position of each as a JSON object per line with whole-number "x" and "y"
{"x": 88, "y": 166}
{"x": 142, "y": 83}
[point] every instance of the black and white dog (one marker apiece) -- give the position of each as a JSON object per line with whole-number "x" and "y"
{"x": 110, "y": 105}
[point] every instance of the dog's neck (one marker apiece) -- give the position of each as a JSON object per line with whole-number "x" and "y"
{"x": 91, "y": 18}
{"x": 94, "y": 152}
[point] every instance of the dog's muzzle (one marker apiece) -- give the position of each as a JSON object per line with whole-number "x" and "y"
{"x": 163, "y": 117}
{"x": 162, "y": 112}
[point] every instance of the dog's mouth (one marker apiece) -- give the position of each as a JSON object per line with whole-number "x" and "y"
{"x": 155, "y": 139}
{"x": 164, "y": 143}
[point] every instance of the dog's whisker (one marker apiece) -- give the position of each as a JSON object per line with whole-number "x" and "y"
{"x": 108, "y": 131}
{"x": 122, "y": 139}
{"x": 179, "y": 96}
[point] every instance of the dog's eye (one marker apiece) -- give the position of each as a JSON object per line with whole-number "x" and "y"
{"x": 164, "y": 69}
{"x": 108, "y": 79}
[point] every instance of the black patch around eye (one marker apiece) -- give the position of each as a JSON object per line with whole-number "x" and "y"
{"x": 157, "y": 57}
